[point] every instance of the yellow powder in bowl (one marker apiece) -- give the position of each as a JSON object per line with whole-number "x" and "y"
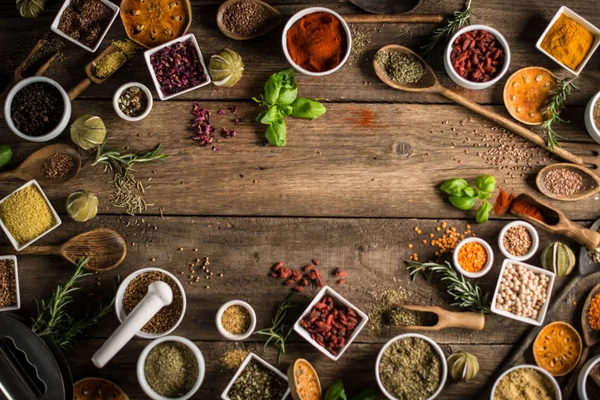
{"x": 568, "y": 41}
{"x": 26, "y": 214}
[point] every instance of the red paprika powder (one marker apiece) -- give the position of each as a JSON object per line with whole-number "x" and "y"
{"x": 317, "y": 42}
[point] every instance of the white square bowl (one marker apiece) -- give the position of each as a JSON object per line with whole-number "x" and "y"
{"x": 591, "y": 28}
{"x": 184, "y": 38}
{"x": 542, "y": 313}
{"x": 249, "y": 358}
{"x": 326, "y": 290}
{"x": 18, "y": 305}
{"x": 56, "y": 217}
{"x": 54, "y": 26}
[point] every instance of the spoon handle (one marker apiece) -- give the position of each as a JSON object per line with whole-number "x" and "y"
{"x": 406, "y": 19}
{"x": 8, "y": 175}
{"x": 508, "y": 124}
{"x": 33, "y": 250}
{"x": 79, "y": 88}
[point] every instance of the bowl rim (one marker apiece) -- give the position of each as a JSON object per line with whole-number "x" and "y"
{"x": 144, "y": 355}
{"x": 18, "y": 291}
{"x": 589, "y": 115}
{"x": 221, "y": 328}
{"x": 247, "y": 360}
{"x": 583, "y": 376}
{"x": 127, "y": 86}
{"x": 535, "y": 240}
{"x": 433, "y": 344}
{"x": 299, "y": 15}
{"x": 555, "y": 385}
{"x": 488, "y": 265}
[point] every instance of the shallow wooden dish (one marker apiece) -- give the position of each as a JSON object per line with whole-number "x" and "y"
{"x": 275, "y": 20}
{"x": 97, "y": 389}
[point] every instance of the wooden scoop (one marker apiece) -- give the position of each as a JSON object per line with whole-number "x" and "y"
{"x": 32, "y": 167}
{"x": 448, "y": 319}
{"x": 275, "y": 19}
{"x": 430, "y": 84}
{"x": 105, "y": 247}
{"x": 591, "y": 182}
{"x": 304, "y": 379}
{"x": 90, "y": 70}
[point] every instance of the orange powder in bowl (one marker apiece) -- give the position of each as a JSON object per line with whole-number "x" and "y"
{"x": 472, "y": 257}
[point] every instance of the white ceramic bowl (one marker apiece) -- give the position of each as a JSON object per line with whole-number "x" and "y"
{"x": 250, "y": 357}
{"x": 535, "y": 239}
{"x": 542, "y": 313}
{"x": 121, "y": 113}
{"x": 590, "y": 125}
{"x": 327, "y": 291}
{"x": 18, "y": 305}
{"x": 540, "y": 370}
{"x": 295, "y": 18}
{"x": 183, "y": 38}
{"x": 64, "y": 121}
{"x": 584, "y": 376}
{"x": 591, "y": 28}
{"x": 231, "y": 336}
{"x": 433, "y": 344}
{"x": 54, "y": 26}
{"x": 142, "y": 361}
{"x": 486, "y": 268}
{"x": 459, "y": 80}
{"x": 121, "y": 293}
{"x": 13, "y": 241}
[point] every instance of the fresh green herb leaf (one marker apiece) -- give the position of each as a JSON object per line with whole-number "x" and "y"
{"x": 469, "y": 191}
{"x": 286, "y": 110}
{"x": 336, "y": 391}
{"x": 483, "y": 213}
{"x": 287, "y": 96}
{"x": 486, "y": 183}
{"x": 463, "y": 202}
{"x": 484, "y": 196}
{"x": 267, "y": 117}
{"x": 272, "y": 90}
{"x": 555, "y": 105}
{"x": 278, "y": 333}
{"x": 5, "y": 155}
{"x": 307, "y": 108}
{"x": 276, "y": 133}
{"x": 369, "y": 394}
{"x": 454, "y": 187}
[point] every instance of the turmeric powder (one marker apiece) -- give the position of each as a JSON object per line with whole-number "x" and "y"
{"x": 594, "y": 313}
{"x": 568, "y": 41}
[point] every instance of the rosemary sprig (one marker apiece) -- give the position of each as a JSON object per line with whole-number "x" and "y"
{"x": 279, "y": 332}
{"x": 554, "y": 107}
{"x": 466, "y": 294}
{"x": 449, "y": 28}
{"x": 123, "y": 162}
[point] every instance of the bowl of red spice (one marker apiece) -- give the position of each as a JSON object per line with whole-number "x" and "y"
{"x": 236, "y": 320}
{"x": 477, "y": 57}
{"x": 473, "y": 257}
{"x": 316, "y": 41}
{"x": 518, "y": 241}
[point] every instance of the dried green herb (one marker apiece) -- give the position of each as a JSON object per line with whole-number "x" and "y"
{"x": 257, "y": 382}
{"x": 171, "y": 369}
{"x": 400, "y": 67}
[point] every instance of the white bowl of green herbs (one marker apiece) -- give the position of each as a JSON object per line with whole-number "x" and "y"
{"x": 257, "y": 380}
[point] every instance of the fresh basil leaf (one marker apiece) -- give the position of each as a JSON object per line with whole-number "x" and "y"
{"x": 463, "y": 202}
{"x": 266, "y": 117}
{"x": 369, "y": 394}
{"x": 483, "y": 213}
{"x": 484, "y": 196}
{"x": 286, "y": 111}
{"x": 454, "y": 187}
{"x": 276, "y": 133}
{"x": 469, "y": 191}
{"x": 336, "y": 392}
{"x": 486, "y": 183}
{"x": 307, "y": 108}
{"x": 287, "y": 96}
{"x": 272, "y": 89}
{"x": 288, "y": 79}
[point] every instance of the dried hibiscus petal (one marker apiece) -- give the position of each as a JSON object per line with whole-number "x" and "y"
{"x": 178, "y": 67}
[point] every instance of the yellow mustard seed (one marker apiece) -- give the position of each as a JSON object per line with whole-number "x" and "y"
{"x": 26, "y": 214}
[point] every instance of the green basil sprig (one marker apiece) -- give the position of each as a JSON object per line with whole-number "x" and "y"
{"x": 5, "y": 155}
{"x": 337, "y": 392}
{"x": 464, "y": 197}
{"x": 281, "y": 99}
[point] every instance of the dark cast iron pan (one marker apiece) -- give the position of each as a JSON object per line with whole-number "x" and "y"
{"x": 386, "y": 6}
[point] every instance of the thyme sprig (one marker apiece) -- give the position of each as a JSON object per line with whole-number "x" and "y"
{"x": 449, "y": 27}
{"x": 114, "y": 160}
{"x": 554, "y": 107}
{"x": 278, "y": 333}
{"x": 466, "y": 294}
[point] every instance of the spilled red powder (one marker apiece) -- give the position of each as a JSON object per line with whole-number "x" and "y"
{"x": 364, "y": 118}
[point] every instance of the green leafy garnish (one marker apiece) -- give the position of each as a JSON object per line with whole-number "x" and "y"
{"x": 449, "y": 28}
{"x": 337, "y": 392}
{"x": 121, "y": 163}
{"x": 554, "y": 107}
{"x": 464, "y": 197}
{"x": 278, "y": 332}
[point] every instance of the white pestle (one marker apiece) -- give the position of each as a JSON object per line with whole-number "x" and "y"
{"x": 159, "y": 295}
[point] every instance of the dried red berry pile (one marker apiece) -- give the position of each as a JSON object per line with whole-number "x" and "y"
{"x": 477, "y": 56}
{"x": 303, "y": 277}
{"x": 330, "y": 325}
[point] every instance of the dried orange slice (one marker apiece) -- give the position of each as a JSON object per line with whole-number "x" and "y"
{"x": 526, "y": 93}
{"x": 150, "y": 23}
{"x": 557, "y": 348}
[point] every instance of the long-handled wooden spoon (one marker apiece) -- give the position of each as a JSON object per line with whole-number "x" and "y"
{"x": 105, "y": 248}
{"x": 90, "y": 70}
{"x": 448, "y": 319}
{"x": 33, "y": 166}
{"x": 590, "y": 185}
{"x": 274, "y": 14}
{"x": 430, "y": 84}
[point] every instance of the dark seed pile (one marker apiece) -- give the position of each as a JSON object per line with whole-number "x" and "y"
{"x": 37, "y": 109}
{"x": 8, "y": 284}
{"x": 85, "y": 20}
{"x": 58, "y": 165}
{"x": 246, "y": 18}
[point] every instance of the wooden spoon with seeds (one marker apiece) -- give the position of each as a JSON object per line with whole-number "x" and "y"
{"x": 90, "y": 70}
{"x": 274, "y": 21}
{"x": 590, "y": 184}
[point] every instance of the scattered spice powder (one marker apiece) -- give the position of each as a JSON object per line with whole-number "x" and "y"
{"x": 563, "y": 181}
{"x": 400, "y": 67}
{"x": 256, "y": 382}
{"x": 517, "y": 240}
{"x": 58, "y": 165}
{"x": 521, "y": 206}
{"x": 382, "y": 307}
{"x": 360, "y": 41}
{"x": 246, "y": 18}
{"x": 8, "y": 284}
{"x": 233, "y": 359}
{"x": 594, "y": 313}
{"x": 171, "y": 369}
{"x": 472, "y": 257}
{"x": 524, "y": 384}
{"x": 236, "y": 320}
{"x": 133, "y": 101}
{"x": 502, "y": 203}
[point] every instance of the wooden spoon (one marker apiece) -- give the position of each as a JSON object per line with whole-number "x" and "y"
{"x": 33, "y": 166}
{"x": 591, "y": 182}
{"x": 448, "y": 319}
{"x": 105, "y": 247}
{"x": 430, "y": 84}
{"x": 302, "y": 375}
{"x": 275, "y": 20}
{"x": 90, "y": 70}
{"x": 386, "y": 6}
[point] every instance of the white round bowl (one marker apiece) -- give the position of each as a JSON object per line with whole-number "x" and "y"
{"x": 142, "y": 361}
{"x": 437, "y": 348}
{"x": 231, "y": 336}
{"x": 535, "y": 239}
{"x": 584, "y": 375}
{"x": 589, "y": 118}
{"x": 486, "y": 268}
{"x": 295, "y": 18}
{"x": 459, "y": 80}
{"x": 121, "y": 113}
{"x": 64, "y": 121}
{"x": 121, "y": 292}
{"x": 542, "y": 371}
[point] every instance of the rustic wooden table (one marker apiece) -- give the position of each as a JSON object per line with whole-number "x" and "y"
{"x": 348, "y": 188}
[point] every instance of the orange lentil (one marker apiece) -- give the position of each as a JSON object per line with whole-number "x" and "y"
{"x": 438, "y": 228}
{"x": 410, "y": 246}
{"x": 472, "y": 257}
{"x": 444, "y": 224}
{"x": 594, "y": 313}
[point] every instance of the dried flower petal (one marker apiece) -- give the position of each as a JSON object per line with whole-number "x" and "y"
{"x": 177, "y": 67}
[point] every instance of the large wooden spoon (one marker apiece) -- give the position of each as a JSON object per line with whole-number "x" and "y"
{"x": 275, "y": 20}
{"x": 430, "y": 84}
{"x": 90, "y": 70}
{"x": 448, "y": 319}
{"x": 591, "y": 182}
{"x": 33, "y": 166}
{"x": 105, "y": 248}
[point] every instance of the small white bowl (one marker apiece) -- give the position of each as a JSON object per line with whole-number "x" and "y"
{"x": 486, "y": 268}
{"x": 250, "y": 357}
{"x": 56, "y": 22}
{"x": 62, "y": 124}
{"x": 327, "y": 291}
{"x": 231, "y": 336}
{"x": 121, "y": 293}
{"x": 295, "y": 18}
{"x": 535, "y": 241}
{"x": 183, "y": 38}
{"x": 590, "y": 125}
{"x": 18, "y": 305}
{"x": 542, "y": 313}
{"x": 540, "y": 370}
{"x": 142, "y": 361}
{"x": 591, "y": 28}
{"x": 459, "y": 80}
{"x": 121, "y": 113}
{"x": 584, "y": 376}
{"x": 433, "y": 344}
{"x": 13, "y": 241}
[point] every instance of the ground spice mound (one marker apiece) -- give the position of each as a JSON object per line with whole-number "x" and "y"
{"x": 233, "y": 359}
{"x": 382, "y": 309}
{"x": 524, "y": 384}
{"x": 26, "y": 214}
{"x": 171, "y": 369}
